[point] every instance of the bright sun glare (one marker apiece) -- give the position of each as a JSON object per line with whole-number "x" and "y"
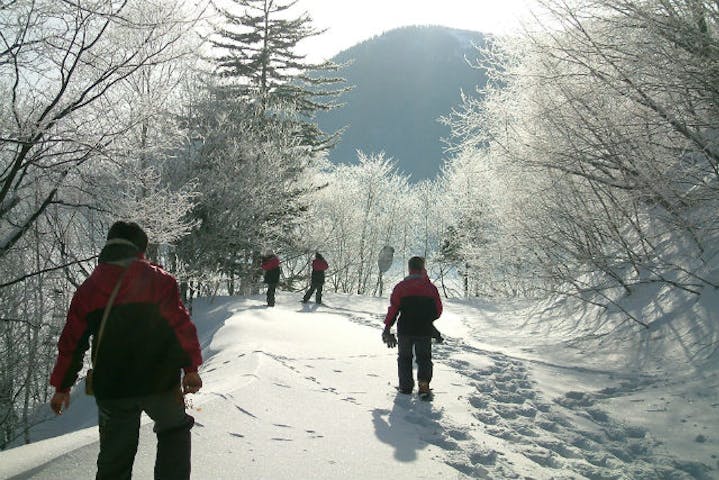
{"x": 351, "y": 21}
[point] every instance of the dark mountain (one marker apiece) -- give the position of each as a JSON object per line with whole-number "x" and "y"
{"x": 404, "y": 80}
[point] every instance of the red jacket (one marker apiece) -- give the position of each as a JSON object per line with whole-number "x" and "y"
{"x": 319, "y": 264}
{"x": 271, "y": 266}
{"x": 148, "y": 335}
{"x": 417, "y": 303}
{"x": 270, "y": 263}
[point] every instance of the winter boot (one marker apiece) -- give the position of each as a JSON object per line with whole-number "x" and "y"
{"x": 424, "y": 390}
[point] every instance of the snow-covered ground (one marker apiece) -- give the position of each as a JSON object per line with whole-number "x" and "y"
{"x": 306, "y": 392}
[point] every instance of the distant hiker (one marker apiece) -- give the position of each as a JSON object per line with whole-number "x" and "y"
{"x": 271, "y": 268}
{"x": 417, "y": 303}
{"x": 142, "y": 340}
{"x": 319, "y": 265}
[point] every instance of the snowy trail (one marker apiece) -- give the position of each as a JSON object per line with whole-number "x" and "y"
{"x": 568, "y": 434}
{"x": 304, "y": 392}
{"x": 566, "y": 431}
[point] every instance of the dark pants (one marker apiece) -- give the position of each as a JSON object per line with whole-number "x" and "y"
{"x": 271, "y": 287}
{"x": 423, "y": 350}
{"x": 318, "y": 297}
{"x": 119, "y": 422}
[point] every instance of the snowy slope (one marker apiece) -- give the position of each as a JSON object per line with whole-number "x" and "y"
{"x": 306, "y": 392}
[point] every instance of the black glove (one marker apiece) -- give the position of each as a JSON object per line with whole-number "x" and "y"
{"x": 436, "y": 335}
{"x": 389, "y": 339}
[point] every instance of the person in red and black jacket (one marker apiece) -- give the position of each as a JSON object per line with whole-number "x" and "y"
{"x": 415, "y": 300}
{"x": 271, "y": 268}
{"x": 317, "y": 280}
{"x": 146, "y": 343}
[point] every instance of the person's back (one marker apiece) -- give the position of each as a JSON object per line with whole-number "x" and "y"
{"x": 146, "y": 339}
{"x": 319, "y": 266}
{"x": 414, "y": 304}
{"x": 147, "y": 335}
{"x": 271, "y": 267}
{"x": 317, "y": 279}
{"x": 270, "y": 264}
{"x": 418, "y": 305}
{"x": 143, "y": 339}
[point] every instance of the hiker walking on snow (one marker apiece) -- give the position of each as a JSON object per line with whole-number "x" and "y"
{"x": 414, "y": 304}
{"x": 319, "y": 265}
{"x": 271, "y": 268}
{"x": 142, "y": 339}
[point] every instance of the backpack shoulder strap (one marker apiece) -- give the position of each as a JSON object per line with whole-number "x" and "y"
{"x": 105, "y": 314}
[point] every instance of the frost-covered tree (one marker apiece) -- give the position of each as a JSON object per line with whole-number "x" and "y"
{"x": 252, "y": 189}
{"x": 66, "y": 116}
{"x": 252, "y": 138}
{"x": 257, "y": 56}
{"x": 612, "y": 115}
{"x": 58, "y": 93}
{"x": 467, "y": 246}
{"x": 363, "y": 208}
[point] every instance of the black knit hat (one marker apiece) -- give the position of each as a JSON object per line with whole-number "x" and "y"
{"x": 416, "y": 263}
{"x": 128, "y": 232}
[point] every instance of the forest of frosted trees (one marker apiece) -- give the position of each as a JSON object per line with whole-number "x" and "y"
{"x": 587, "y": 167}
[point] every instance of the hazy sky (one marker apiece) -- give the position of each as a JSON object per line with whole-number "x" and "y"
{"x": 351, "y": 21}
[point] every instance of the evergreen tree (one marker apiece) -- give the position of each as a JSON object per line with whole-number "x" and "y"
{"x": 252, "y": 191}
{"x": 258, "y": 63}
{"x": 254, "y": 142}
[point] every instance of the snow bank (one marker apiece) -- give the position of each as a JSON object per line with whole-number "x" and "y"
{"x": 300, "y": 391}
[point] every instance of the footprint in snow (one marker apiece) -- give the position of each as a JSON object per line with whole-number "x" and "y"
{"x": 245, "y": 411}
{"x": 483, "y": 457}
